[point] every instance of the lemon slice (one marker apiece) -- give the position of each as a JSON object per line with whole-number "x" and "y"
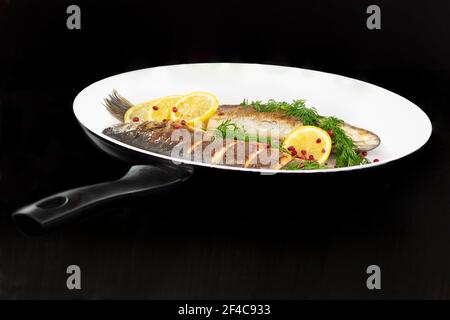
{"x": 195, "y": 108}
{"x": 139, "y": 112}
{"x": 309, "y": 143}
{"x": 160, "y": 110}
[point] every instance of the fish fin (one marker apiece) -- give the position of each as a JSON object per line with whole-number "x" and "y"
{"x": 117, "y": 105}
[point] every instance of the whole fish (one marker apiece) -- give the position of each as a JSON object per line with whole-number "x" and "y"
{"x": 175, "y": 140}
{"x": 262, "y": 124}
{"x": 165, "y": 138}
{"x": 277, "y": 123}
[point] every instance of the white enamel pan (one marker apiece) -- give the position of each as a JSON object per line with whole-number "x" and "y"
{"x": 357, "y": 102}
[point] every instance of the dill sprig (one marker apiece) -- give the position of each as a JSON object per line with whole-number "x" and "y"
{"x": 297, "y": 109}
{"x": 346, "y": 155}
{"x": 228, "y": 129}
{"x": 345, "y": 149}
{"x": 304, "y": 165}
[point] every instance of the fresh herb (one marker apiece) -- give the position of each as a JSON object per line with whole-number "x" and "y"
{"x": 297, "y": 109}
{"x": 345, "y": 149}
{"x": 304, "y": 165}
{"x": 346, "y": 155}
{"x": 230, "y": 130}
{"x": 226, "y": 126}
{"x": 283, "y": 149}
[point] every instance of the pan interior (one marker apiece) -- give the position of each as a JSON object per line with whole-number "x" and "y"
{"x": 359, "y": 103}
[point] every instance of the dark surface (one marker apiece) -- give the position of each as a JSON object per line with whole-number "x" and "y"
{"x": 223, "y": 235}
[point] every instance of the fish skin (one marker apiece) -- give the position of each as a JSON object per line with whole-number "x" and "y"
{"x": 157, "y": 137}
{"x": 152, "y": 136}
{"x": 262, "y": 124}
{"x": 278, "y": 124}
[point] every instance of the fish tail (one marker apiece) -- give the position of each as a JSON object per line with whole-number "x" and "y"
{"x": 117, "y": 105}
{"x": 364, "y": 140}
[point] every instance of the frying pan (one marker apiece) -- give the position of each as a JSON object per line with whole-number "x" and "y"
{"x": 359, "y": 103}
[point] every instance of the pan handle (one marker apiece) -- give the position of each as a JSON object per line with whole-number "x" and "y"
{"x": 53, "y": 211}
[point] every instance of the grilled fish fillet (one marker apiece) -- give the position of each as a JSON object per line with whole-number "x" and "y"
{"x": 174, "y": 140}
{"x": 277, "y": 123}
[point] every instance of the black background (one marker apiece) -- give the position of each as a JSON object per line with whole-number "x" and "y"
{"x": 223, "y": 235}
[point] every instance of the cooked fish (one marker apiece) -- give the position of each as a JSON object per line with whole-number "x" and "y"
{"x": 172, "y": 139}
{"x": 260, "y": 124}
{"x": 198, "y": 145}
{"x": 277, "y": 123}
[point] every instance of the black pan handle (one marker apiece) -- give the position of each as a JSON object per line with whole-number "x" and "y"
{"x": 53, "y": 211}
